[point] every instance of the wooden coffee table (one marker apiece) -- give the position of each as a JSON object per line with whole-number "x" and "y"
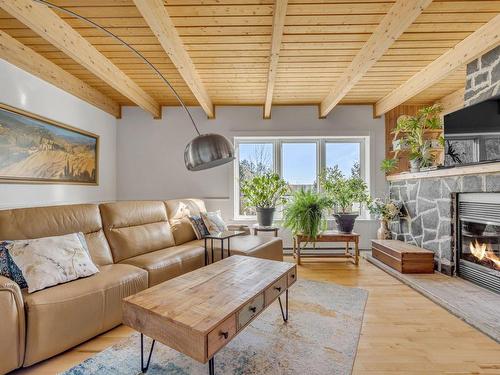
{"x": 198, "y": 313}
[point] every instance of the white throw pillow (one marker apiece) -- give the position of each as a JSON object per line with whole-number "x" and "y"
{"x": 50, "y": 261}
{"x": 214, "y": 221}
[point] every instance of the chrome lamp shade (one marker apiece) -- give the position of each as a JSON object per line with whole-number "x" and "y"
{"x": 208, "y": 151}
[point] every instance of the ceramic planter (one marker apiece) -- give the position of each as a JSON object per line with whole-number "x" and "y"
{"x": 345, "y": 222}
{"x": 265, "y": 216}
{"x": 414, "y": 165}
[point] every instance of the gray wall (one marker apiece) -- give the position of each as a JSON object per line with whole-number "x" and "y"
{"x": 150, "y": 152}
{"x": 22, "y": 90}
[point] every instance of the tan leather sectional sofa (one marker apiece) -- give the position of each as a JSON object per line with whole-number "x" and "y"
{"x": 136, "y": 244}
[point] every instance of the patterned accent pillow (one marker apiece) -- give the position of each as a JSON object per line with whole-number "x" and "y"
{"x": 8, "y": 268}
{"x": 214, "y": 221}
{"x": 50, "y": 261}
{"x": 199, "y": 227}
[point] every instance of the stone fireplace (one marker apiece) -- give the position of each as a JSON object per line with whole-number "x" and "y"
{"x": 429, "y": 212}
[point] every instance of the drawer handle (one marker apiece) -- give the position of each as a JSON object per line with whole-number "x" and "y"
{"x": 224, "y": 334}
{"x": 292, "y": 276}
{"x": 253, "y": 309}
{"x": 278, "y": 288}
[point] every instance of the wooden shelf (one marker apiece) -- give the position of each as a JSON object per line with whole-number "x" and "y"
{"x": 456, "y": 171}
{"x": 407, "y": 151}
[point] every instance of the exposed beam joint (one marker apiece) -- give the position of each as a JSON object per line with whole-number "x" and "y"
{"x": 279, "y": 16}
{"x": 452, "y": 102}
{"x": 25, "y": 58}
{"x": 158, "y": 19}
{"x": 482, "y": 40}
{"x": 401, "y": 15}
{"x": 52, "y": 28}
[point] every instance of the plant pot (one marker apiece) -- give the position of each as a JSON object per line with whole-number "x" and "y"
{"x": 414, "y": 165}
{"x": 345, "y": 222}
{"x": 383, "y": 232}
{"x": 265, "y": 216}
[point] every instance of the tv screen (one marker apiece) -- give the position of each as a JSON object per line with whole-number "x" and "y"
{"x": 472, "y": 134}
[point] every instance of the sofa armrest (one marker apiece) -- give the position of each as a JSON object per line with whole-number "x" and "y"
{"x": 12, "y": 326}
{"x": 240, "y": 227}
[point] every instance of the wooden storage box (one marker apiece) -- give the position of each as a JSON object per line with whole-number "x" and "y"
{"x": 403, "y": 257}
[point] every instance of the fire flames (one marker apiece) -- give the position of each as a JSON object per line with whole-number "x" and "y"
{"x": 483, "y": 252}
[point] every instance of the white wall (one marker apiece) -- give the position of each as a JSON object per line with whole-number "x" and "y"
{"x": 25, "y": 91}
{"x": 150, "y": 153}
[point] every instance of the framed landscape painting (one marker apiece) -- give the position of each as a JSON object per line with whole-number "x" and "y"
{"x": 34, "y": 149}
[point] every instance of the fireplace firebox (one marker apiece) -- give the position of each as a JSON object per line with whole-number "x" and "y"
{"x": 478, "y": 239}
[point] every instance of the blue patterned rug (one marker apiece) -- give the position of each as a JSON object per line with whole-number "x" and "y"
{"x": 320, "y": 338}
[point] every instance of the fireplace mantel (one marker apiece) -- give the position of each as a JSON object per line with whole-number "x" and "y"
{"x": 448, "y": 172}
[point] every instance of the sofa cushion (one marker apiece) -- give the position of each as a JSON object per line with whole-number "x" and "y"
{"x": 49, "y": 261}
{"x": 178, "y": 211}
{"x": 65, "y": 315}
{"x": 168, "y": 263}
{"x": 37, "y": 222}
{"x": 256, "y": 246}
{"x": 136, "y": 227}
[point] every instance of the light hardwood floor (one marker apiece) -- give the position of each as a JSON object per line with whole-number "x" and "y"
{"x": 403, "y": 332}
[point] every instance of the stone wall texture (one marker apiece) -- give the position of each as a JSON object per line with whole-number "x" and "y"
{"x": 427, "y": 206}
{"x": 483, "y": 77}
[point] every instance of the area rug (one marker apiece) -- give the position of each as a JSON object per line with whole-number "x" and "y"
{"x": 320, "y": 338}
{"x": 475, "y": 305}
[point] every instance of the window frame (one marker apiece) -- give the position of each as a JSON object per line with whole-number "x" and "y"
{"x": 277, "y": 142}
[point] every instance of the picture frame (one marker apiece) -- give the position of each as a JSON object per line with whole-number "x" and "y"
{"x": 38, "y": 150}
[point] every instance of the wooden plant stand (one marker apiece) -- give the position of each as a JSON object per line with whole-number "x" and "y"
{"x": 329, "y": 236}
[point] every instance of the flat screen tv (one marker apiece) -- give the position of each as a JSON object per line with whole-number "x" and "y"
{"x": 472, "y": 134}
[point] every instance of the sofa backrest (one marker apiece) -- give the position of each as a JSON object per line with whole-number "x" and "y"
{"x": 178, "y": 211}
{"x": 136, "y": 227}
{"x": 37, "y": 222}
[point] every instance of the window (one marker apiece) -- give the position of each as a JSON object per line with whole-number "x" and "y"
{"x": 254, "y": 158}
{"x": 298, "y": 161}
{"x": 299, "y": 165}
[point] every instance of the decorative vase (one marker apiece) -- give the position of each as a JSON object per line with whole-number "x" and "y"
{"x": 345, "y": 222}
{"x": 265, "y": 216}
{"x": 383, "y": 232}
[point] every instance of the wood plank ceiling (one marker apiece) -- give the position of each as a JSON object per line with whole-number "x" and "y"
{"x": 229, "y": 42}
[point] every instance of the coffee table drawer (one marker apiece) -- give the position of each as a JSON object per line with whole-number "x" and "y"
{"x": 292, "y": 276}
{"x": 275, "y": 290}
{"x": 250, "y": 310}
{"x": 221, "y": 335}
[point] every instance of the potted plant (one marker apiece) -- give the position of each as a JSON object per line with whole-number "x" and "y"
{"x": 344, "y": 192}
{"x": 305, "y": 213}
{"x": 412, "y": 129}
{"x": 264, "y": 192}
{"x": 388, "y": 165}
{"x": 386, "y": 210}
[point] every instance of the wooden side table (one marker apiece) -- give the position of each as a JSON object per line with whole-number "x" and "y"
{"x": 257, "y": 228}
{"x": 329, "y": 236}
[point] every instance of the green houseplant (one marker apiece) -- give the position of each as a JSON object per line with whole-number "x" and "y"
{"x": 304, "y": 214}
{"x": 413, "y": 129}
{"x": 344, "y": 192}
{"x": 264, "y": 192}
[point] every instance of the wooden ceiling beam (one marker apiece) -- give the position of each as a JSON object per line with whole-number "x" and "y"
{"x": 401, "y": 15}
{"x": 25, "y": 58}
{"x": 452, "y": 102}
{"x": 482, "y": 40}
{"x": 279, "y": 16}
{"x": 158, "y": 19}
{"x": 52, "y": 28}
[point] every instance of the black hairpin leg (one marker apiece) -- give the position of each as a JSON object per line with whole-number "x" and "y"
{"x": 211, "y": 366}
{"x": 206, "y": 252}
{"x": 222, "y": 249}
{"x": 144, "y": 369}
{"x": 285, "y": 313}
